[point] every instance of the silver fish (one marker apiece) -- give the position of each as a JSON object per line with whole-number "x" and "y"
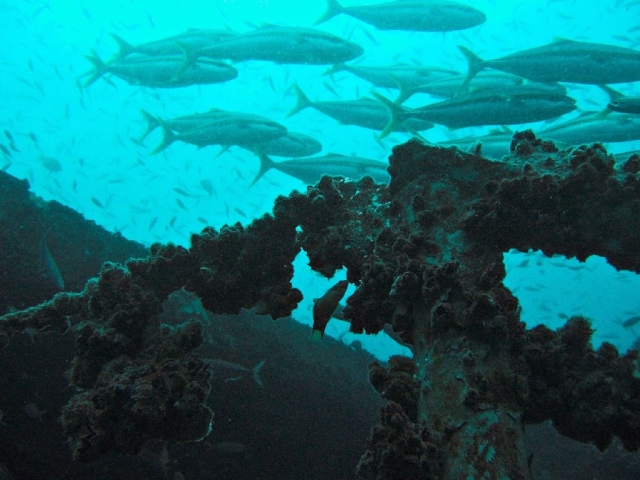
{"x": 291, "y": 145}
{"x": 231, "y": 129}
{"x": 593, "y": 127}
{"x": 396, "y": 76}
{"x": 167, "y": 71}
{"x": 232, "y": 372}
{"x": 311, "y": 169}
{"x": 495, "y": 145}
{"x": 414, "y": 15}
{"x": 450, "y": 87}
{"x": 363, "y": 112}
{"x": 179, "y": 124}
{"x": 565, "y": 61}
{"x": 48, "y": 263}
{"x": 195, "y": 38}
{"x": 621, "y": 103}
{"x": 283, "y": 45}
{"x": 507, "y": 106}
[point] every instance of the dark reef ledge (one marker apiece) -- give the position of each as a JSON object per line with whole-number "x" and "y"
{"x": 426, "y": 256}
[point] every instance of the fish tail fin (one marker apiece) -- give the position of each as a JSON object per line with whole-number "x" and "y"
{"x": 475, "y": 65}
{"x": 124, "y": 47}
{"x": 266, "y": 164}
{"x": 223, "y": 149}
{"x": 256, "y": 373}
{"x": 167, "y": 139}
{"x": 614, "y": 95}
{"x": 152, "y": 124}
{"x": 316, "y": 335}
{"x": 338, "y": 67}
{"x": 99, "y": 68}
{"x": 395, "y": 111}
{"x": 333, "y": 9}
{"x": 190, "y": 57}
{"x": 302, "y": 101}
{"x": 403, "y": 96}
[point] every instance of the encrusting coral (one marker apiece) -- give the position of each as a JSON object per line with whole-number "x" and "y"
{"x": 425, "y": 254}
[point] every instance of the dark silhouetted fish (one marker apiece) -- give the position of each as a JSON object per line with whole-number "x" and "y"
{"x": 49, "y": 265}
{"x": 414, "y": 15}
{"x": 310, "y": 170}
{"x": 231, "y": 372}
{"x": 194, "y": 38}
{"x": 162, "y": 72}
{"x": 507, "y": 106}
{"x": 228, "y": 448}
{"x": 363, "y": 112}
{"x": 565, "y": 61}
{"x": 324, "y": 308}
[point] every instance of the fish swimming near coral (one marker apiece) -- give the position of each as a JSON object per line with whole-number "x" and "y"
{"x": 413, "y": 15}
{"x": 232, "y": 372}
{"x": 506, "y": 106}
{"x": 363, "y": 112}
{"x": 311, "y": 169}
{"x": 324, "y": 308}
{"x": 49, "y": 265}
{"x": 592, "y": 127}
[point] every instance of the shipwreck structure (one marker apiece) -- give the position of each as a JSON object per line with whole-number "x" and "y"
{"x": 425, "y": 253}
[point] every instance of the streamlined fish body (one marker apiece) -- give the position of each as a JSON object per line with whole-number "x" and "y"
{"x": 283, "y": 45}
{"x": 565, "y": 61}
{"x": 167, "y": 71}
{"x": 491, "y": 107}
{"x": 310, "y": 170}
{"x": 194, "y": 38}
{"x": 363, "y": 112}
{"x": 413, "y": 15}
{"x": 593, "y": 127}
{"x": 230, "y": 129}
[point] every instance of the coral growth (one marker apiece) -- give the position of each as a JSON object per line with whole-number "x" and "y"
{"x": 426, "y": 256}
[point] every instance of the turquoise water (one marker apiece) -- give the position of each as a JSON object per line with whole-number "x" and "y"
{"x": 108, "y": 178}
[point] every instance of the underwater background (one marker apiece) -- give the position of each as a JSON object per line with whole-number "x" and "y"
{"x": 78, "y": 145}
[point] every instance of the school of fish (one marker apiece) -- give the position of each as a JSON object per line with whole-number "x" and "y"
{"x": 515, "y": 89}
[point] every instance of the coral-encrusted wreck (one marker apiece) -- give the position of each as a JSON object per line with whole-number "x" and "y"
{"x": 426, "y": 256}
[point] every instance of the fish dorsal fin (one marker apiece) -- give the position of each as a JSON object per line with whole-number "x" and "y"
{"x": 563, "y": 40}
